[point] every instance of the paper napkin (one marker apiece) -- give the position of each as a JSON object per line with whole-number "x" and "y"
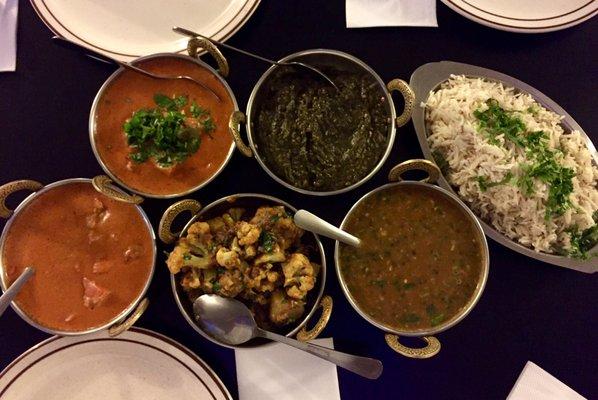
{"x": 364, "y": 13}
{"x": 8, "y": 34}
{"x": 281, "y": 372}
{"x": 536, "y": 384}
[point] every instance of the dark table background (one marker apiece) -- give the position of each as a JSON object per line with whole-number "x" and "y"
{"x": 529, "y": 311}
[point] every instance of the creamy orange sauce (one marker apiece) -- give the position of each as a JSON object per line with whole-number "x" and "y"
{"x": 131, "y": 91}
{"x": 92, "y": 257}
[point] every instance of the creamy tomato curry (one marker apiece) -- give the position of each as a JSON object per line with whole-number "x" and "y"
{"x": 131, "y": 92}
{"x": 420, "y": 260}
{"x": 92, "y": 256}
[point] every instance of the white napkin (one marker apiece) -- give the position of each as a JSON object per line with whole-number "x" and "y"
{"x": 536, "y": 384}
{"x": 8, "y": 34}
{"x": 280, "y": 372}
{"x": 364, "y": 13}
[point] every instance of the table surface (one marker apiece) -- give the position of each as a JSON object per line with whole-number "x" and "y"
{"x": 529, "y": 310}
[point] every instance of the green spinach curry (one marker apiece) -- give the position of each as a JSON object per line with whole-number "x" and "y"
{"x": 420, "y": 259}
{"x": 316, "y": 138}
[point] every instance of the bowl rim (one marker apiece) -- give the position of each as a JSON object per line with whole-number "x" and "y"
{"x": 120, "y": 316}
{"x": 92, "y": 125}
{"x": 356, "y": 61}
{"x": 483, "y": 278}
{"x": 230, "y": 199}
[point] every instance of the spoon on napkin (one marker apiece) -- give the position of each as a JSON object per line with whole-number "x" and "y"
{"x": 14, "y": 289}
{"x": 230, "y": 321}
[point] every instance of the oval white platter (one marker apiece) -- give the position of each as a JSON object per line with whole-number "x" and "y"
{"x": 526, "y": 16}
{"x": 126, "y": 29}
{"x": 137, "y": 365}
{"x": 428, "y": 78}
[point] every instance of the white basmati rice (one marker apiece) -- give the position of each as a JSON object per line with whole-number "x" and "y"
{"x": 453, "y": 132}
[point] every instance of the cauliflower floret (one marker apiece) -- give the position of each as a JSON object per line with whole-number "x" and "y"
{"x": 259, "y": 278}
{"x": 247, "y": 233}
{"x": 284, "y": 310}
{"x": 229, "y": 284}
{"x": 286, "y": 232}
{"x": 299, "y": 276}
{"x": 220, "y": 230}
{"x": 275, "y": 256}
{"x": 266, "y": 216}
{"x": 228, "y": 258}
{"x": 199, "y": 232}
{"x": 250, "y": 251}
{"x": 191, "y": 279}
{"x": 191, "y": 255}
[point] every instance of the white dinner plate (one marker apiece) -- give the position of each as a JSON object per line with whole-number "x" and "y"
{"x": 127, "y": 29}
{"x": 137, "y": 365}
{"x": 527, "y": 16}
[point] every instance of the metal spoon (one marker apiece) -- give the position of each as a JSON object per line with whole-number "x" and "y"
{"x": 312, "y": 223}
{"x": 231, "y": 322}
{"x": 14, "y": 289}
{"x": 311, "y": 68}
{"x": 106, "y": 59}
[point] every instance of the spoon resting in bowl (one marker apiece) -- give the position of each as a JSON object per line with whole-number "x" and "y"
{"x": 15, "y": 288}
{"x": 312, "y": 223}
{"x": 230, "y": 321}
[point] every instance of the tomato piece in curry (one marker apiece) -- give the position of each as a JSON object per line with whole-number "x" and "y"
{"x": 420, "y": 260}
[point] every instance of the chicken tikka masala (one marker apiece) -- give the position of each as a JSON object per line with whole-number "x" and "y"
{"x": 92, "y": 257}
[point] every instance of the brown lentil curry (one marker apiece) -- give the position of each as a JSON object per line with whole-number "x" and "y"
{"x": 316, "y": 138}
{"x": 420, "y": 259}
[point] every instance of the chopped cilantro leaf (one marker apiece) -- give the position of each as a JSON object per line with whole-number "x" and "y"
{"x": 267, "y": 241}
{"x": 163, "y": 134}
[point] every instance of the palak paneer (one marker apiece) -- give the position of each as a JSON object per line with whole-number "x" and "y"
{"x": 420, "y": 258}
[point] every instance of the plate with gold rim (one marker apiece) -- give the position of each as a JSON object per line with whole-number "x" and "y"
{"x": 428, "y": 78}
{"x": 526, "y": 16}
{"x": 126, "y": 30}
{"x": 138, "y": 364}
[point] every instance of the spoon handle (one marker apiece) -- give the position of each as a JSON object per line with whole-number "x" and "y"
{"x": 310, "y": 222}
{"x": 14, "y": 289}
{"x": 367, "y": 367}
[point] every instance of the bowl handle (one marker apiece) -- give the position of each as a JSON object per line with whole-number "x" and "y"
{"x": 304, "y": 335}
{"x": 165, "y": 232}
{"x": 195, "y": 44}
{"x": 432, "y": 347}
{"x": 104, "y": 185}
{"x": 119, "y": 328}
{"x": 236, "y": 119}
{"x": 409, "y": 97}
{"x": 12, "y": 187}
{"x": 420, "y": 165}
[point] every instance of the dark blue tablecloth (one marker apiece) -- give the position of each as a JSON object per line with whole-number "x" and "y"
{"x": 529, "y": 311}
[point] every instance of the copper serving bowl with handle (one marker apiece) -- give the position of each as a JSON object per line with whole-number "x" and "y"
{"x": 249, "y": 201}
{"x": 104, "y": 186}
{"x": 322, "y": 58}
{"x": 195, "y": 48}
{"x": 432, "y": 344}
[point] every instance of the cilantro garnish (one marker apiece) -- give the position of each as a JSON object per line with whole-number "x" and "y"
{"x": 267, "y": 241}
{"x": 165, "y": 134}
{"x": 543, "y": 164}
